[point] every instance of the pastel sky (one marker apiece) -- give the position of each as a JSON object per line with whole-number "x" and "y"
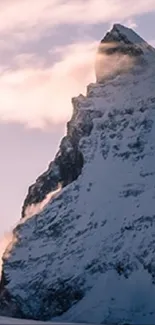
{"x": 47, "y": 51}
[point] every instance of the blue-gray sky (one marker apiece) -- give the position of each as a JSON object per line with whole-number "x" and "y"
{"x": 47, "y": 50}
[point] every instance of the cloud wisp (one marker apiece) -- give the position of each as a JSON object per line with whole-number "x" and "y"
{"x": 36, "y": 94}
{"x": 44, "y": 14}
{"x": 4, "y": 242}
{"x": 39, "y": 96}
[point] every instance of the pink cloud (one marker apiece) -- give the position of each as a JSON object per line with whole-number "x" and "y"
{"x": 34, "y": 95}
{"x": 4, "y": 242}
{"x": 17, "y": 16}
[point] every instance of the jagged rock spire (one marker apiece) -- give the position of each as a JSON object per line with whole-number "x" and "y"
{"x": 120, "y": 50}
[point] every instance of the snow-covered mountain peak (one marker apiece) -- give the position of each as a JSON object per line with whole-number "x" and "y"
{"x": 84, "y": 249}
{"x": 120, "y": 51}
{"x": 124, "y": 34}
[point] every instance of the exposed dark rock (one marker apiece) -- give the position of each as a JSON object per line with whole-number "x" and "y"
{"x": 69, "y": 161}
{"x": 116, "y": 45}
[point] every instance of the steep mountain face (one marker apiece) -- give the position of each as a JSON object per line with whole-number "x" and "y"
{"x": 89, "y": 254}
{"x": 68, "y": 163}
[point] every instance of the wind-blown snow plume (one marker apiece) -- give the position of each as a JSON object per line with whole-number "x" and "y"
{"x": 118, "y": 62}
{"x": 37, "y": 96}
{"x": 6, "y": 242}
{"x": 29, "y": 94}
{"x": 33, "y": 209}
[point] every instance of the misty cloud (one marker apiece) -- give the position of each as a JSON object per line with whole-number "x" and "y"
{"x": 29, "y": 24}
{"x": 38, "y": 96}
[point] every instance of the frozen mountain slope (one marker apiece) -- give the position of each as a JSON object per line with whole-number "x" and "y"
{"x": 89, "y": 254}
{"x": 15, "y": 321}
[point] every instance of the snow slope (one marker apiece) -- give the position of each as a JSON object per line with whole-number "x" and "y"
{"x": 11, "y": 321}
{"x": 88, "y": 256}
{"x": 15, "y": 321}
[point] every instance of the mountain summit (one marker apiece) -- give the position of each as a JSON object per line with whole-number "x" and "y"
{"x": 83, "y": 250}
{"x": 120, "y": 50}
{"x": 126, "y": 36}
